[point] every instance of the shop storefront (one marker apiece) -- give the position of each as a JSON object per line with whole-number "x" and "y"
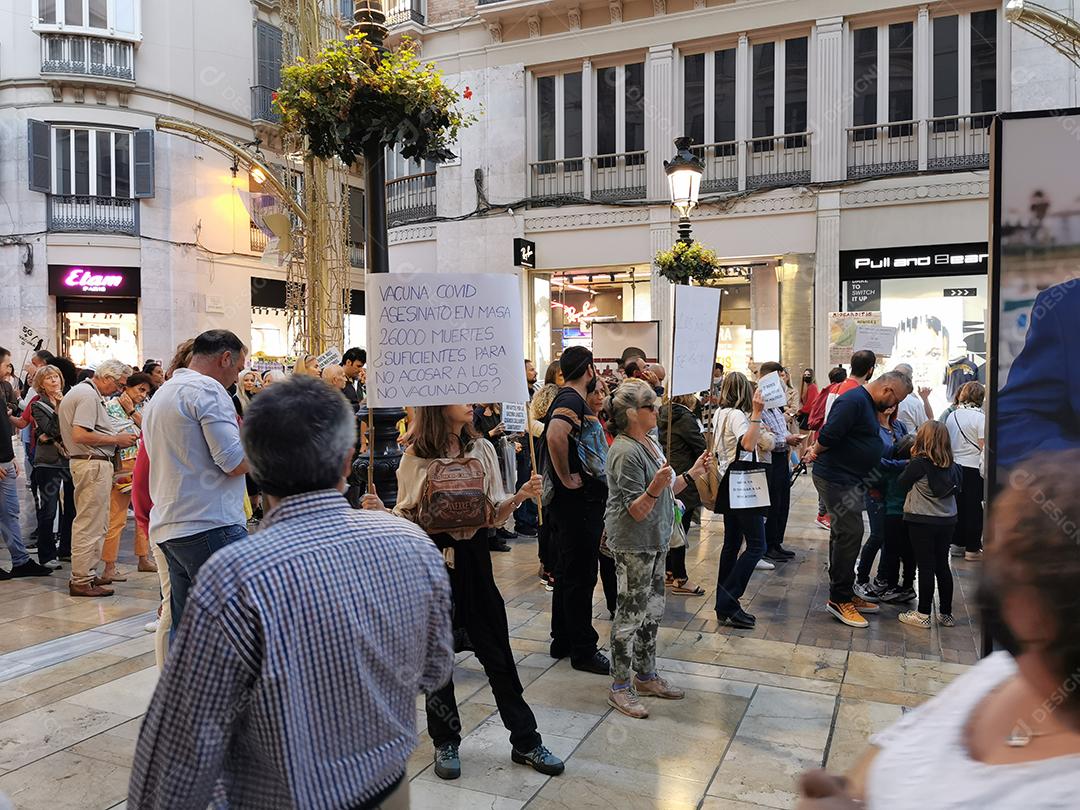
{"x": 274, "y": 341}
{"x": 936, "y": 297}
{"x": 97, "y": 311}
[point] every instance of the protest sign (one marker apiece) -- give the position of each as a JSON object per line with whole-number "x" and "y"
{"x": 331, "y": 357}
{"x": 31, "y": 338}
{"x": 878, "y": 339}
{"x": 444, "y": 339}
{"x": 514, "y": 417}
{"x": 697, "y": 312}
{"x": 773, "y": 390}
{"x": 842, "y": 326}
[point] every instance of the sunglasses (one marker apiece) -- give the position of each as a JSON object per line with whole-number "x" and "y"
{"x": 651, "y": 407}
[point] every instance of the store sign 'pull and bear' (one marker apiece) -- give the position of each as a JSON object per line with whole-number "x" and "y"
{"x": 967, "y": 257}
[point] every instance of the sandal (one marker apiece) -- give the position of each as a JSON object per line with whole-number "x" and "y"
{"x": 680, "y": 586}
{"x": 669, "y": 580}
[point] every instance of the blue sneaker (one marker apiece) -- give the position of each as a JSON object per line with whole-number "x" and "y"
{"x": 540, "y": 759}
{"x": 447, "y": 762}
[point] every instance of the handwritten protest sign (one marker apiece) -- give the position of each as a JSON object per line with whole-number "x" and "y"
{"x": 842, "y": 326}
{"x": 878, "y": 339}
{"x": 514, "y": 418}
{"x": 697, "y": 310}
{"x": 444, "y": 339}
{"x": 331, "y": 357}
{"x": 773, "y": 390}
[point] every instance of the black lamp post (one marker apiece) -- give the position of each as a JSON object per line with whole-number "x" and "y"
{"x": 370, "y": 20}
{"x": 684, "y": 179}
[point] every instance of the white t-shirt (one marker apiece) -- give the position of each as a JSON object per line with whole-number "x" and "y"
{"x": 912, "y": 412}
{"x": 967, "y": 426}
{"x": 924, "y": 760}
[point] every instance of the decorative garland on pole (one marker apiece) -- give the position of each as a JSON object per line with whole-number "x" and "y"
{"x": 688, "y": 261}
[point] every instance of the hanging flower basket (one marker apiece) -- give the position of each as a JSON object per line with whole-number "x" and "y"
{"x": 687, "y": 262}
{"x": 352, "y": 95}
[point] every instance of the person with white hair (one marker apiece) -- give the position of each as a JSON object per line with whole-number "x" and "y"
{"x": 91, "y": 439}
{"x": 334, "y": 376}
{"x": 915, "y": 408}
{"x": 274, "y": 375}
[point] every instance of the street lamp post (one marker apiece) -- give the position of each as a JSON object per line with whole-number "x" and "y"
{"x": 383, "y": 434}
{"x": 684, "y": 180}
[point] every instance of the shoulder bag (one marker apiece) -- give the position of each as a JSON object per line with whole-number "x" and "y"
{"x": 454, "y": 499}
{"x": 745, "y": 485}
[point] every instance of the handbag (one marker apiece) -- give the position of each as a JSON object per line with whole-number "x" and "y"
{"x": 745, "y": 485}
{"x": 678, "y": 536}
{"x": 454, "y": 498}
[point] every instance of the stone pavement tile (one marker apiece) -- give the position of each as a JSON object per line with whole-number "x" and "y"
{"x": 66, "y": 781}
{"x": 593, "y": 785}
{"x": 789, "y": 717}
{"x": 31, "y": 630}
{"x": 763, "y": 773}
{"x": 713, "y": 803}
{"x": 899, "y": 698}
{"x": 45, "y": 731}
{"x": 425, "y": 795}
{"x": 570, "y": 690}
{"x": 486, "y": 766}
{"x": 95, "y": 613}
{"x": 484, "y": 694}
{"x": 749, "y": 676}
{"x": 33, "y": 605}
{"x": 107, "y": 747}
{"x": 856, "y": 721}
{"x": 19, "y": 590}
{"x": 422, "y": 757}
{"x": 529, "y": 645}
{"x": 128, "y": 696}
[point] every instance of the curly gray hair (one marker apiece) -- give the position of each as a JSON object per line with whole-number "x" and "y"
{"x": 630, "y": 395}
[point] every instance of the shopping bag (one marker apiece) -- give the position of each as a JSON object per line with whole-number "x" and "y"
{"x": 748, "y": 488}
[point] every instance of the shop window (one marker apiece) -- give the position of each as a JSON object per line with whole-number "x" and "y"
{"x": 93, "y": 16}
{"x": 91, "y": 162}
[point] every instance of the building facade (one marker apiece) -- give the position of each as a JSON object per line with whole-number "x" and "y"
{"x": 845, "y": 143}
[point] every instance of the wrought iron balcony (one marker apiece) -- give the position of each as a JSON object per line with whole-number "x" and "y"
{"x": 721, "y": 166}
{"x": 557, "y": 180}
{"x": 778, "y": 160}
{"x": 409, "y": 199}
{"x": 77, "y": 55}
{"x": 262, "y": 104}
{"x": 356, "y": 254}
{"x": 258, "y": 239}
{"x": 80, "y": 213}
{"x": 877, "y": 150}
{"x": 959, "y": 142}
{"x": 619, "y": 176}
{"x": 403, "y": 12}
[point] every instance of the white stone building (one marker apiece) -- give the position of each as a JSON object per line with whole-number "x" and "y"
{"x": 845, "y": 141}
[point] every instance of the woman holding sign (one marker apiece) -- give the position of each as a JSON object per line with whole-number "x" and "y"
{"x": 742, "y": 500}
{"x": 449, "y": 484}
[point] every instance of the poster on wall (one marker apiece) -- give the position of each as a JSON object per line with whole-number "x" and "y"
{"x": 697, "y": 312}
{"x": 1034, "y": 401}
{"x": 611, "y": 338}
{"x": 842, "y": 329}
{"x": 444, "y": 339}
{"x": 733, "y": 349}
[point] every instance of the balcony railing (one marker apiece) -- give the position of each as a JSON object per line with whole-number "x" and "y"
{"x": 619, "y": 176}
{"x": 778, "y": 160}
{"x": 403, "y": 12}
{"x": 71, "y": 54}
{"x": 356, "y": 254}
{"x": 262, "y": 104}
{"x": 876, "y": 150}
{"x": 258, "y": 239}
{"x": 85, "y": 214}
{"x": 558, "y": 179}
{"x": 959, "y": 142}
{"x": 721, "y": 166}
{"x": 411, "y": 198}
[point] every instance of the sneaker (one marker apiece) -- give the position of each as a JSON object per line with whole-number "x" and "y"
{"x": 823, "y": 522}
{"x": 764, "y": 565}
{"x": 865, "y": 591}
{"x": 53, "y": 564}
{"x": 540, "y": 759}
{"x": 658, "y": 687}
{"x": 598, "y": 664}
{"x": 151, "y": 627}
{"x": 846, "y": 613}
{"x": 863, "y": 606}
{"x": 740, "y": 619}
{"x": 973, "y": 556}
{"x": 946, "y": 620}
{"x": 897, "y": 595}
{"x": 626, "y": 702}
{"x": 957, "y": 551}
{"x": 549, "y": 585}
{"x": 915, "y": 619}
{"x": 447, "y": 762}
{"x": 30, "y": 569}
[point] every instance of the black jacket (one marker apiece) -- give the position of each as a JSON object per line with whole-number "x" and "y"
{"x": 687, "y": 444}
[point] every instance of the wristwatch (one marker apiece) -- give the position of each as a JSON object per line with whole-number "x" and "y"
{"x": 688, "y": 478}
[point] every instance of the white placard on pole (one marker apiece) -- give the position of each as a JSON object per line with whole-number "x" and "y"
{"x": 444, "y": 339}
{"x": 879, "y": 339}
{"x": 331, "y": 357}
{"x": 773, "y": 390}
{"x": 515, "y": 419}
{"x": 697, "y": 310}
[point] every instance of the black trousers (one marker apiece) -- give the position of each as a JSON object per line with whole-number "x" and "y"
{"x": 50, "y": 482}
{"x": 676, "y": 557}
{"x": 969, "y": 511}
{"x": 609, "y": 581}
{"x": 779, "y": 476}
{"x": 931, "y": 543}
{"x": 577, "y": 526}
{"x": 845, "y": 507}
{"x": 480, "y": 612}
{"x": 896, "y": 549}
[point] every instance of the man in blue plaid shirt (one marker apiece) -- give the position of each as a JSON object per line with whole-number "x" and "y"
{"x": 293, "y": 677}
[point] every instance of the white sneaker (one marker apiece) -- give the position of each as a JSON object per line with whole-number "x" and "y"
{"x": 764, "y": 565}
{"x": 957, "y": 551}
{"x": 151, "y": 627}
{"x": 54, "y": 565}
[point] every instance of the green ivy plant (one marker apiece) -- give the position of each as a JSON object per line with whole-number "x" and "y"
{"x": 354, "y": 95}
{"x": 686, "y": 262}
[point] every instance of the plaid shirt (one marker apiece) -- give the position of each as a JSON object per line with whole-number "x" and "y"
{"x": 292, "y": 680}
{"x": 773, "y": 419}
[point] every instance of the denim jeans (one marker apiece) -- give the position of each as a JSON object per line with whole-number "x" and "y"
{"x": 875, "y": 511}
{"x": 186, "y": 556}
{"x": 736, "y": 569}
{"x": 845, "y": 505}
{"x": 51, "y": 481}
{"x": 9, "y": 514}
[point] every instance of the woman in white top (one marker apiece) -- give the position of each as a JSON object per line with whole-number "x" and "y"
{"x": 1006, "y": 734}
{"x": 967, "y": 432}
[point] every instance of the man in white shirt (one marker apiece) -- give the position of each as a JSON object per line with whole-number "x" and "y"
{"x": 197, "y": 463}
{"x": 915, "y": 409}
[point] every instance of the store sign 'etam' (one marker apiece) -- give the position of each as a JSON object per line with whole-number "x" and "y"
{"x": 66, "y": 280}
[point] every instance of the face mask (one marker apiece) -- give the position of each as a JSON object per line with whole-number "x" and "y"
{"x": 659, "y": 390}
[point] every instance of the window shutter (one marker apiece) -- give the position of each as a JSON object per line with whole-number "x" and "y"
{"x": 356, "y": 215}
{"x": 144, "y": 163}
{"x": 39, "y": 147}
{"x": 267, "y": 55}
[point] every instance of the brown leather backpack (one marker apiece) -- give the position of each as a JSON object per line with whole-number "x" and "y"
{"x": 454, "y": 499}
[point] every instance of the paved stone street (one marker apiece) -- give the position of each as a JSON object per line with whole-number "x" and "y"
{"x": 762, "y": 706}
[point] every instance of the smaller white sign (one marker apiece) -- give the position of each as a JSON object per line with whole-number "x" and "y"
{"x": 773, "y": 390}
{"x": 331, "y": 357}
{"x": 878, "y": 339}
{"x": 29, "y": 337}
{"x": 515, "y": 418}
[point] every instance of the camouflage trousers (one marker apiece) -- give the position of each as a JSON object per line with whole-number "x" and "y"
{"x": 638, "y": 610}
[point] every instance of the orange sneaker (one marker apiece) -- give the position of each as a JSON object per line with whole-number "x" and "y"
{"x": 846, "y": 613}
